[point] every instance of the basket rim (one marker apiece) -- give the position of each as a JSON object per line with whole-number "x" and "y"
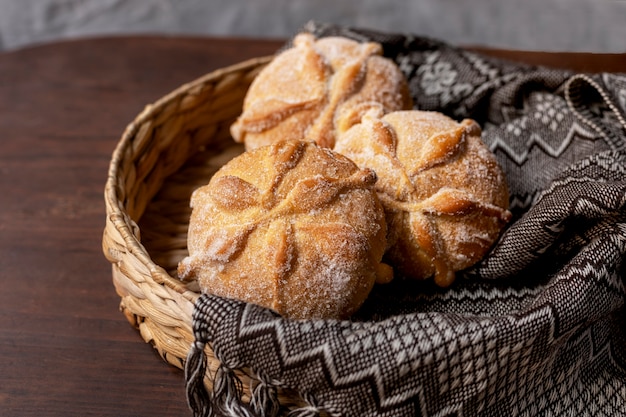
{"x": 114, "y": 212}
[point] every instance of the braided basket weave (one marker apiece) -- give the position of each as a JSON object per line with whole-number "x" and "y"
{"x": 171, "y": 148}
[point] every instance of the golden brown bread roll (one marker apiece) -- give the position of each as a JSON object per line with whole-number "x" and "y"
{"x": 443, "y": 191}
{"x": 291, "y": 226}
{"x": 317, "y": 89}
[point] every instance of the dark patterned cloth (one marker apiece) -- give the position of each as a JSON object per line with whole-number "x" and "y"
{"x": 536, "y": 329}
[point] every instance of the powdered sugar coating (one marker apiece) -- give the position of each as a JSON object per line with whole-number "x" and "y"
{"x": 291, "y": 226}
{"x": 445, "y": 196}
{"x": 317, "y": 89}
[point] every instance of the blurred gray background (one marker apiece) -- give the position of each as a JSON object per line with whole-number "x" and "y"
{"x": 549, "y": 25}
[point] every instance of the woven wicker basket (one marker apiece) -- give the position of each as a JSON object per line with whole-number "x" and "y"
{"x": 171, "y": 148}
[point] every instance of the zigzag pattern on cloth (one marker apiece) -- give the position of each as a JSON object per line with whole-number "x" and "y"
{"x": 537, "y": 140}
{"x": 462, "y": 357}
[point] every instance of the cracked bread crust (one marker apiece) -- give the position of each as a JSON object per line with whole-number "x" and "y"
{"x": 318, "y": 89}
{"x": 293, "y": 227}
{"x": 445, "y": 196}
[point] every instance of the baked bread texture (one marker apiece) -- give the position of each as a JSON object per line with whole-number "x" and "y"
{"x": 317, "y": 89}
{"x": 444, "y": 194}
{"x": 291, "y": 226}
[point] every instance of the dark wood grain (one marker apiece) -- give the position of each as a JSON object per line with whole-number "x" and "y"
{"x": 579, "y": 62}
{"x": 65, "y": 349}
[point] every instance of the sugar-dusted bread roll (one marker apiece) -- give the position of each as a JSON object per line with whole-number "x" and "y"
{"x": 316, "y": 89}
{"x": 444, "y": 194}
{"x": 291, "y": 226}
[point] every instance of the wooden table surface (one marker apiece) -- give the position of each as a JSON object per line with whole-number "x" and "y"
{"x": 65, "y": 349}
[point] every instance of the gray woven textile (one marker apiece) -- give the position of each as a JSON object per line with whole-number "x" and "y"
{"x": 536, "y": 329}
